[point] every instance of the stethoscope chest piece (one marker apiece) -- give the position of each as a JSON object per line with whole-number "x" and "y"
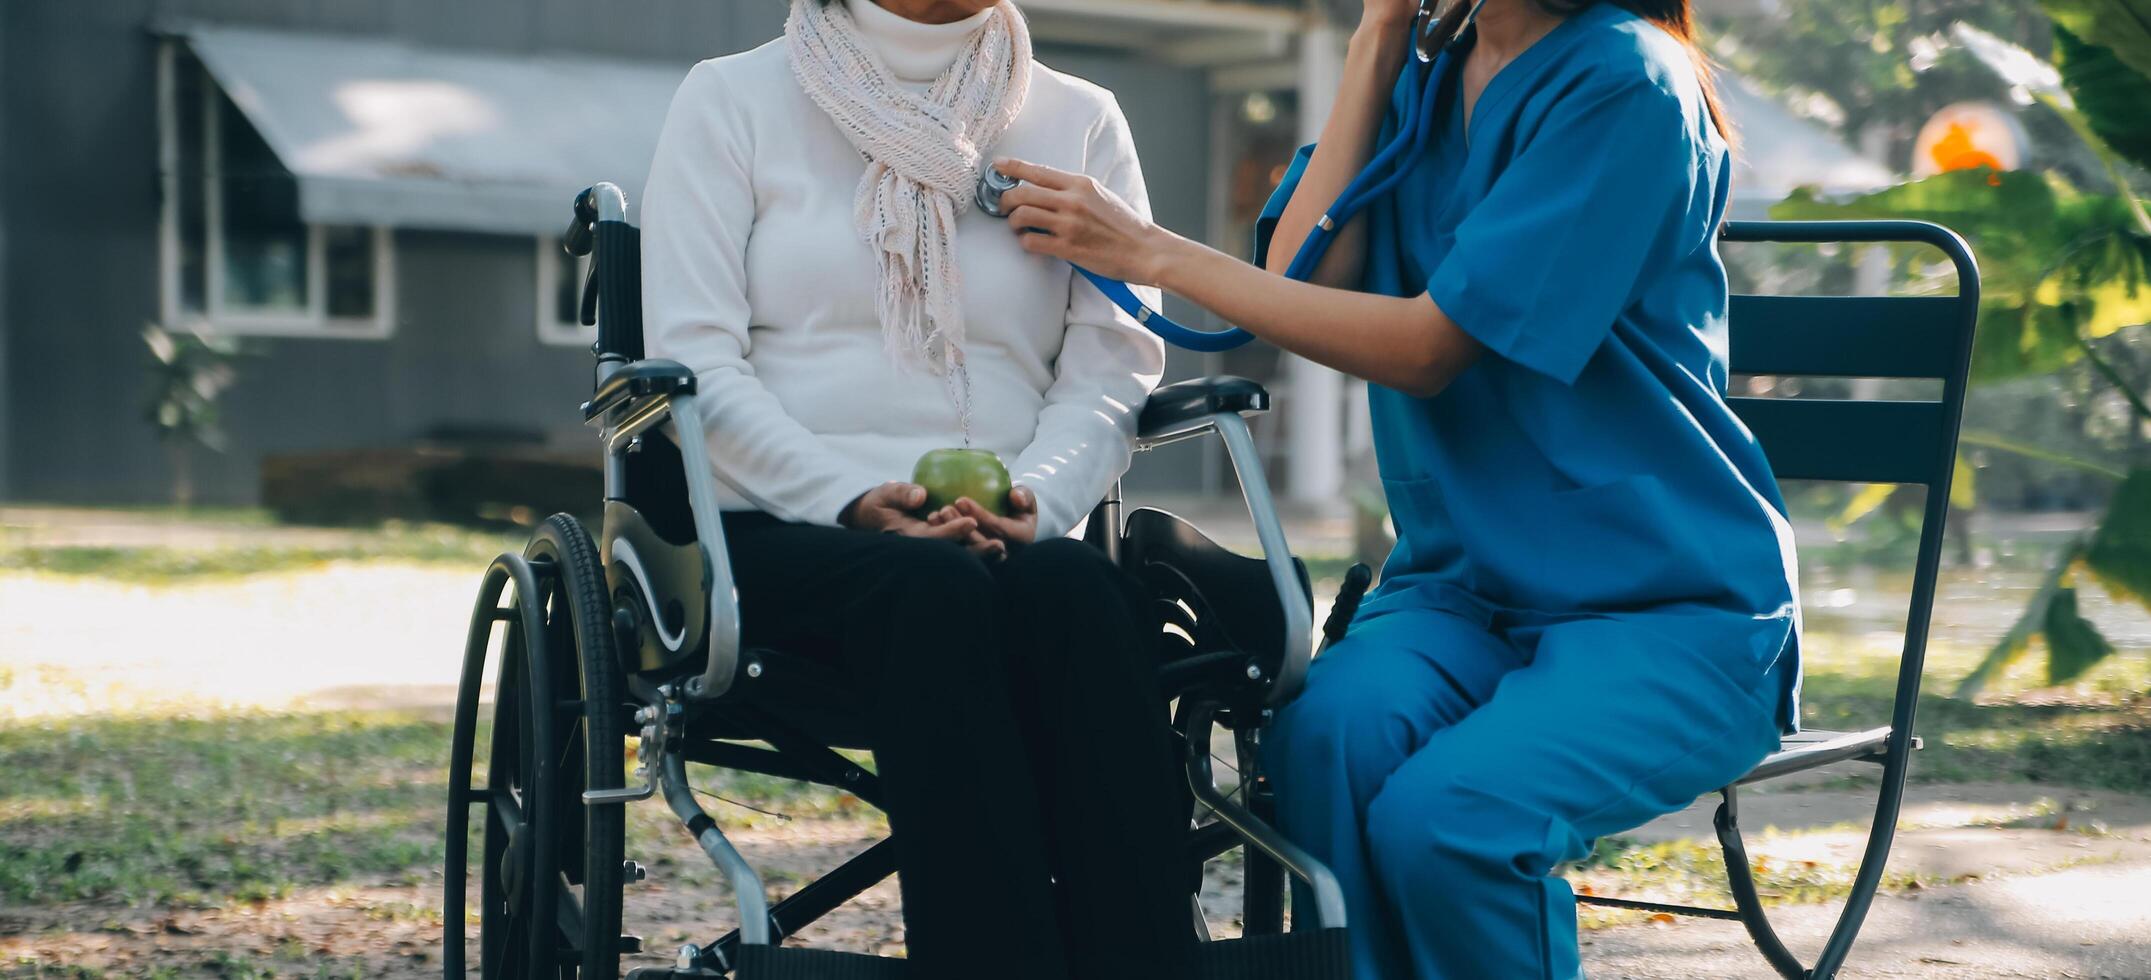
{"x": 991, "y": 185}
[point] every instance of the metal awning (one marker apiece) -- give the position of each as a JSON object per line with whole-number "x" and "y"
{"x": 1200, "y": 33}
{"x": 381, "y": 132}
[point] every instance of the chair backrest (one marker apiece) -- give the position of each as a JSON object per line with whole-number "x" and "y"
{"x": 1864, "y": 440}
{"x": 1857, "y": 440}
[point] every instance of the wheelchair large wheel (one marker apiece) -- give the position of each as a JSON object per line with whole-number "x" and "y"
{"x": 551, "y": 875}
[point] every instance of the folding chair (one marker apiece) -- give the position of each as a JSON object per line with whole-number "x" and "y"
{"x": 1854, "y": 441}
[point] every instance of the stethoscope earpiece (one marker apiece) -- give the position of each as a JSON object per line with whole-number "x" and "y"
{"x": 1423, "y": 43}
{"x": 1423, "y": 33}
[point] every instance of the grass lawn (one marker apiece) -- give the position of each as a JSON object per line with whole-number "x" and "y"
{"x": 246, "y": 807}
{"x": 2094, "y": 733}
{"x": 166, "y": 565}
{"x": 108, "y": 821}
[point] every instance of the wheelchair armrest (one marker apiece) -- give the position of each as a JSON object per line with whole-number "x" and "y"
{"x": 1187, "y": 405}
{"x": 639, "y": 379}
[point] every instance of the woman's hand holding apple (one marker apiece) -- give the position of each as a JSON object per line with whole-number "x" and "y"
{"x": 1018, "y": 527}
{"x": 892, "y": 508}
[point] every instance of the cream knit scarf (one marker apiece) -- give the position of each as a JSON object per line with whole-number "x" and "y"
{"x": 923, "y": 158}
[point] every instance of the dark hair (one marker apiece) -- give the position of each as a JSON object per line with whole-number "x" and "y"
{"x": 1674, "y": 17}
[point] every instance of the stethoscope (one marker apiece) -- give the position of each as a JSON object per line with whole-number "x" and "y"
{"x": 1382, "y": 174}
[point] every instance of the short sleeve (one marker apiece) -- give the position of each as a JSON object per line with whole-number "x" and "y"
{"x": 1591, "y": 208}
{"x": 1274, "y": 208}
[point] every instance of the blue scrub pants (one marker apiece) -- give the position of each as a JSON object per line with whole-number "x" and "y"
{"x": 1443, "y": 767}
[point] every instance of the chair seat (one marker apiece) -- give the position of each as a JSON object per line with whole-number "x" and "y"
{"x": 1814, "y": 749}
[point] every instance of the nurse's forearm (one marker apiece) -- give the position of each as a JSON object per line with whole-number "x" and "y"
{"x": 1371, "y": 64}
{"x": 1400, "y": 343}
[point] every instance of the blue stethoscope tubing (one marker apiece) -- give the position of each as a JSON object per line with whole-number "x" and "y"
{"x": 1381, "y": 175}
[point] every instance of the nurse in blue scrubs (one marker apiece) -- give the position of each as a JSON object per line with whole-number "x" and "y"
{"x": 1590, "y": 616}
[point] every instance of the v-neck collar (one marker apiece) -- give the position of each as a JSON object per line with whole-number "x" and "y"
{"x": 1504, "y": 85}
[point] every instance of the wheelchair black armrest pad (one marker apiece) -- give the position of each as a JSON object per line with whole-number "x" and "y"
{"x": 1183, "y": 403}
{"x": 641, "y": 379}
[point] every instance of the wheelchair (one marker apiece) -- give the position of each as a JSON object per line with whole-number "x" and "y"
{"x": 637, "y": 632}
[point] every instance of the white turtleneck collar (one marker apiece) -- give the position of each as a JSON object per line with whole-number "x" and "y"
{"x": 914, "y": 52}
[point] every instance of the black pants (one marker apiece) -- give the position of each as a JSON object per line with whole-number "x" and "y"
{"x": 1029, "y": 770}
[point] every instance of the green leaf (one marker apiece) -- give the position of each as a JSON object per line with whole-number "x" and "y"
{"x": 2122, "y": 26}
{"x": 1865, "y": 502}
{"x": 2030, "y": 623}
{"x": 2073, "y": 645}
{"x": 2119, "y": 553}
{"x": 2111, "y": 95}
{"x": 2055, "y": 263}
{"x": 2016, "y": 340}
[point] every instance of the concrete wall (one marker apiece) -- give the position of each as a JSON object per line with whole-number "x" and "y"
{"x": 78, "y": 248}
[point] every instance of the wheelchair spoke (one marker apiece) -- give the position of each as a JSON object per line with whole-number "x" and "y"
{"x": 508, "y": 810}
{"x": 568, "y": 917}
{"x": 568, "y": 747}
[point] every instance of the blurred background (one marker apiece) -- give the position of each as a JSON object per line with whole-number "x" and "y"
{"x": 288, "y": 349}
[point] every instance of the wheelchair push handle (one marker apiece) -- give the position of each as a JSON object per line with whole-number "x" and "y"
{"x": 581, "y": 235}
{"x": 1356, "y": 580}
{"x": 614, "y": 287}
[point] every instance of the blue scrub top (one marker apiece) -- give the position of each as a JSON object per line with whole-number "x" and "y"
{"x": 1587, "y": 465}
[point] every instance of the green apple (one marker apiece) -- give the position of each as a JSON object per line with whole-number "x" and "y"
{"x": 948, "y": 474}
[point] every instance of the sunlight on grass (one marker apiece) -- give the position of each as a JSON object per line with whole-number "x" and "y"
{"x": 2095, "y": 732}
{"x": 167, "y": 566}
{"x": 208, "y": 810}
{"x": 227, "y": 808}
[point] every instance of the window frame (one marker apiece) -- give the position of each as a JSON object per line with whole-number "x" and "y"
{"x": 312, "y": 323}
{"x": 553, "y": 332}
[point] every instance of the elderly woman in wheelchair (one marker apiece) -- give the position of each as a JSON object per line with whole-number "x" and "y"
{"x": 820, "y": 307}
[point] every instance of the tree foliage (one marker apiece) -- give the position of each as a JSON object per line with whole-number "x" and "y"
{"x": 2061, "y": 267}
{"x": 189, "y": 373}
{"x": 1869, "y": 65}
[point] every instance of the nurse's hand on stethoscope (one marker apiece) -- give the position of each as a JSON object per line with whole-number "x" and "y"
{"x": 1073, "y": 217}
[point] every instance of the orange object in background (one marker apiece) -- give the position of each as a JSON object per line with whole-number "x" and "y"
{"x": 1969, "y": 135}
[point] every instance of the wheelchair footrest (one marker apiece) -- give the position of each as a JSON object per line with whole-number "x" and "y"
{"x": 1317, "y": 954}
{"x": 788, "y": 963}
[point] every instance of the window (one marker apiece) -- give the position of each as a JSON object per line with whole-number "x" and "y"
{"x": 560, "y": 289}
{"x": 235, "y": 252}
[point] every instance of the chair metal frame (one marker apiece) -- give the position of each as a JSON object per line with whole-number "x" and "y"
{"x": 1860, "y": 441}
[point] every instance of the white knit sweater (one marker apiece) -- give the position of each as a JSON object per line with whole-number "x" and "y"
{"x": 754, "y": 277}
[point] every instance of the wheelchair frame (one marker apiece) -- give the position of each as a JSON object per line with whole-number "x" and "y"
{"x": 644, "y": 573}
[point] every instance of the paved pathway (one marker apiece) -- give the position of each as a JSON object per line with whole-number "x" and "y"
{"x": 2090, "y": 922}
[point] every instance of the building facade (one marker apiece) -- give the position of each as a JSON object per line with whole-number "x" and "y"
{"x": 366, "y": 197}
{"x": 367, "y": 194}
